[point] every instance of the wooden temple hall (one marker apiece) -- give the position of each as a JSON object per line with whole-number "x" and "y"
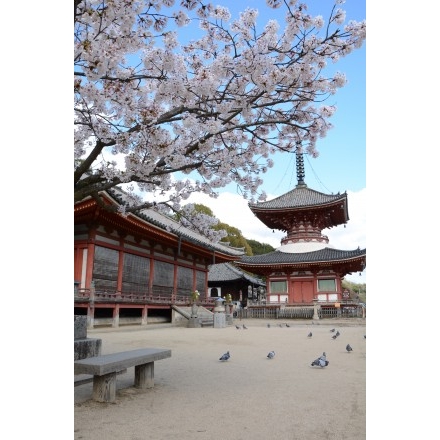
{"x": 133, "y": 268}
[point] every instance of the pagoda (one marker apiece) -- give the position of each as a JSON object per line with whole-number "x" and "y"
{"x": 305, "y": 267}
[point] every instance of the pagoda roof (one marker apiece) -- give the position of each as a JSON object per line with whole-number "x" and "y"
{"x": 228, "y": 272}
{"x": 282, "y": 211}
{"x": 300, "y": 197}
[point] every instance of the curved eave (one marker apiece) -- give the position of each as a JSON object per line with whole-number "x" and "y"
{"x": 353, "y": 261}
{"x": 227, "y": 272}
{"x": 140, "y": 226}
{"x": 274, "y": 218}
{"x": 299, "y": 197}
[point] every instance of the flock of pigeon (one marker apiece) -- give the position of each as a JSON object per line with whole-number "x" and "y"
{"x": 321, "y": 361}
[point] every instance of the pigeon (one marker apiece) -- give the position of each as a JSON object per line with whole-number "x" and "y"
{"x": 237, "y": 327}
{"x": 268, "y": 325}
{"x": 309, "y": 335}
{"x": 271, "y": 355}
{"x": 348, "y": 348}
{"x": 365, "y": 336}
{"x": 332, "y": 330}
{"x": 321, "y": 361}
{"x": 334, "y": 336}
{"x": 244, "y": 327}
{"x": 225, "y": 356}
{"x": 337, "y": 333}
{"x": 287, "y": 325}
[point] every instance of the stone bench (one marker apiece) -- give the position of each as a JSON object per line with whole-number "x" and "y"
{"x": 82, "y": 379}
{"x": 104, "y": 369}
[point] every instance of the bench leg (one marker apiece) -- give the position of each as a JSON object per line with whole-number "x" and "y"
{"x": 104, "y": 388}
{"x": 144, "y": 375}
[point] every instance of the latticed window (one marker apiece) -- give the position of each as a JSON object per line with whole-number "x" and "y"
{"x": 135, "y": 274}
{"x": 105, "y": 269}
{"x": 163, "y": 274}
{"x": 201, "y": 281}
{"x": 184, "y": 280}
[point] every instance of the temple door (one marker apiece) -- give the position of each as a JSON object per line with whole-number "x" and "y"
{"x": 302, "y": 291}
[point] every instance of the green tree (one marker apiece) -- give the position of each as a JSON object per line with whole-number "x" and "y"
{"x": 259, "y": 248}
{"x": 356, "y": 289}
{"x": 234, "y": 238}
{"x": 199, "y": 207}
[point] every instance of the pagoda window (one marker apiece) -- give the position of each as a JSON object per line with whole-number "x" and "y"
{"x": 278, "y": 287}
{"x": 327, "y": 285}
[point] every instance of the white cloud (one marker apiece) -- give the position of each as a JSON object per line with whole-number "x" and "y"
{"x": 353, "y": 235}
{"x": 232, "y": 209}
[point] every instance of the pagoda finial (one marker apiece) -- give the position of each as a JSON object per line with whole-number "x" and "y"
{"x": 300, "y": 168}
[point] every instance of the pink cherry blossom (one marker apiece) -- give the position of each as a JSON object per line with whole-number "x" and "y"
{"x": 165, "y": 114}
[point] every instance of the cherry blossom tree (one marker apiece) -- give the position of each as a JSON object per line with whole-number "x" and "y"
{"x": 162, "y": 116}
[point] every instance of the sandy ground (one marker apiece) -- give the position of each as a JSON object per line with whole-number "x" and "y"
{"x": 196, "y": 396}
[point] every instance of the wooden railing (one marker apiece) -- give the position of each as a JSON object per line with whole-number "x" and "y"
{"x": 165, "y": 296}
{"x": 157, "y": 296}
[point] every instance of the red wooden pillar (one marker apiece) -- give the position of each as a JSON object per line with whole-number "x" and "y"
{"x": 89, "y": 277}
{"x": 120, "y": 268}
{"x": 151, "y": 280}
{"x": 173, "y": 293}
{"x": 289, "y": 288}
{"x": 90, "y": 259}
{"x": 206, "y": 286}
{"x": 315, "y": 285}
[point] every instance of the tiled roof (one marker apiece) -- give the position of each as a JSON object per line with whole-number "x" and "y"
{"x": 299, "y": 197}
{"x": 322, "y": 255}
{"x": 166, "y": 223}
{"x": 228, "y": 272}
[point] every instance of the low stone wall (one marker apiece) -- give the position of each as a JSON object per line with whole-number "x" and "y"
{"x": 84, "y": 347}
{"x": 80, "y": 329}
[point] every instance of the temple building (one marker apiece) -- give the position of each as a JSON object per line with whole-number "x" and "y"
{"x": 305, "y": 267}
{"x": 224, "y": 278}
{"x": 134, "y": 266}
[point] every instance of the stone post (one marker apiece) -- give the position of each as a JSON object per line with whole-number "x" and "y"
{"x": 229, "y": 315}
{"x": 315, "y": 309}
{"x": 194, "y": 321}
{"x": 84, "y": 347}
{"x": 219, "y": 314}
{"x": 144, "y": 320}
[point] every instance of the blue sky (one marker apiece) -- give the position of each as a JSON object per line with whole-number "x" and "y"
{"x": 341, "y": 164}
